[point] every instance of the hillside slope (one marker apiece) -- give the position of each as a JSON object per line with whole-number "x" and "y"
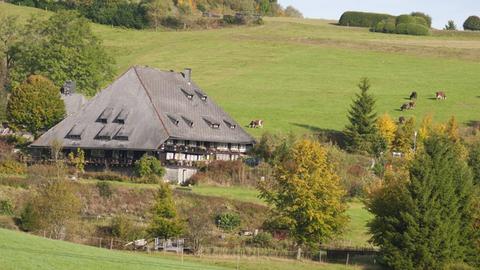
{"x": 301, "y": 75}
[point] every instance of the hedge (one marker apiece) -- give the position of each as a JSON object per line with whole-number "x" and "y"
{"x": 412, "y": 29}
{"x": 362, "y": 19}
{"x": 472, "y": 23}
{"x": 424, "y": 16}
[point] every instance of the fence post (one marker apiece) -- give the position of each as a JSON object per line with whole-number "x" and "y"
{"x": 111, "y": 243}
{"x": 348, "y": 257}
{"x": 100, "y": 243}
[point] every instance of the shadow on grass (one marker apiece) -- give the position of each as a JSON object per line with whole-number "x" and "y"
{"x": 325, "y": 135}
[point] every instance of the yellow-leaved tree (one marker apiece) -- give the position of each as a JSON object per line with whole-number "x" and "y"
{"x": 387, "y": 127}
{"x": 306, "y": 196}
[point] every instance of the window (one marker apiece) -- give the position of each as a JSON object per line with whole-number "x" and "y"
{"x": 201, "y": 95}
{"x": 230, "y": 124}
{"x": 211, "y": 122}
{"x": 187, "y": 93}
{"x": 174, "y": 119}
{"x": 76, "y": 132}
{"x": 98, "y": 153}
{"x": 122, "y": 116}
{"x": 106, "y": 132}
{"x": 103, "y": 118}
{"x": 123, "y": 134}
{"x": 187, "y": 121}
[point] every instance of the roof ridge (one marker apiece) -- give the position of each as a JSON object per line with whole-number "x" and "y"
{"x": 151, "y": 100}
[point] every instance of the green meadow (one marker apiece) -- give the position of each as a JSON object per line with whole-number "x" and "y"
{"x": 23, "y": 251}
{"x": 301, "y": 75}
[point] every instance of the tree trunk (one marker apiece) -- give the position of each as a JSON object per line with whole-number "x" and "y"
{"x": 299, "y": 252}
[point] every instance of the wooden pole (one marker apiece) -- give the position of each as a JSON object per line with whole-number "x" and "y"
{"x": 348, "y": 257}
{"x": 111, "y": 243}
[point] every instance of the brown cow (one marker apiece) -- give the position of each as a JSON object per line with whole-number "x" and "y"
{"x": 401, "y": 120}
{"x": 256, "y": 124}
{"x": 440, "y": 95}
{"x": 413, "y": 95}
{"x": 408, "y": 106}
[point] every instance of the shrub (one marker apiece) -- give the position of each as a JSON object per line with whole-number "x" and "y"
{"x": 425, "y": 17}
{"x": 458, "y": 266}
{"x": 104, "y": 189}
{"x": 261, "y": 240}
{"x": 149, "y": 166}
{"x": 386, "y": 26}
{"x": 42, "y": 171}
{"x": 11, "y": 166}
{"x": 472, "y": 23}
{"x": 412, "y": 29}
{"x": 227, "y": 221}
{"x": 124, "y": 228}
{"x": 106, "y": 176}
{"x": 362, "y": 19}
{"x": 152, "y": 179}
{"x": 404, "y": 19}
{"x": 6, "y": 208}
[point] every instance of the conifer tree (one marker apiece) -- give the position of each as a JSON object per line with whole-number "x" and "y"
{"x": 361, "y": 131}
{"x": 427, "y": 221}
{"x": 165, "y": 223}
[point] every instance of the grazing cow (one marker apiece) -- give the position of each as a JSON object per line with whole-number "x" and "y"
{"x": 408, "y": 106}
{"x": 413, "y": 95}
{"x": 256, "y": 124}
{"x": 412, "y": 104}
{"x": 440, "y": 95}
{"x": 401, "y": 120}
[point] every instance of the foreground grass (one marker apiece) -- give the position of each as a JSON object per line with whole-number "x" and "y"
{"x": 300, "y": 75}
{"x": 22, "y": 251}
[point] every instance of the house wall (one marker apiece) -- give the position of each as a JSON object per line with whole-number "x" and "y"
{"x": 178, "y": 175}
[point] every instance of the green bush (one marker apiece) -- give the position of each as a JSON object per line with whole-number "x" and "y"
{"x": 104, "y": 189}
{"x": 404, "y": 19}
{"x": 458, "y": 266}
{"x": 362, "y": 19}
{"x": 386, "y": 26}
{"x": 228, "y": 221}
{"x": 106, "y": 176}
{"x": 412, "y": 29}
{"x": 124, "y": 228}
{"x": 472, "y": 23}
{"x": 426, "y": 17}
{"x": 149, "y": 166}
{"x": 6, "y": 208}
{"x": 261, "y": 240}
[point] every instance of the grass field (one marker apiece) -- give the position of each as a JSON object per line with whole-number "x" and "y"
{"x": 300, "y": 75}
{"x": 22, "y": 251}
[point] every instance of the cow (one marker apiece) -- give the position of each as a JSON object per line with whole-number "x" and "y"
{"x": 440, "y": 95}
{"x": 401, "y": 120}
{"x": 408, "y": 106}
{"x": 413, "y": 95}
{"x": 256, "y": 124}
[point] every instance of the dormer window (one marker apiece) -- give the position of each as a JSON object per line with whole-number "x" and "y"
{"x": 76, "y": 132}
{"x": 230, "y": 124}
{"x": 187, "y": 121}
{"x": 122, "y": 116}
{"x": 187, "y": 93}
{"x": 201, "y": 95}
{"x": 103, "y": 118}
{"x": 106, "y": 133}
{"x": 174, "y": 119}
{"x": 211, "y": 122}
{"x": 123, "y": 134}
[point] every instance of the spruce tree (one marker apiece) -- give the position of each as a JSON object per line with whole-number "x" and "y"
{"x": 361, "y": 132}
{"x": 428, "y": 221}
{"x": 165, "y": 222}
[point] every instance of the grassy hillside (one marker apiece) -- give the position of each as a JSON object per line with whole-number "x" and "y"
{"x": 301, "y": 75}
{"x": 22, "y": 251}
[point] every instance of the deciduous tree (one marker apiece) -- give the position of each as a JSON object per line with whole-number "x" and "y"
{"x": 387, "y": 128}
{"x": 305, "y": 193}
{"x": 35, "y": 105}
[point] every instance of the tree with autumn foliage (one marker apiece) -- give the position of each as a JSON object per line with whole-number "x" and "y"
{"x": 387, "y": 128}
{"x": 306, "y": 196}
{"x": 405, "y": 140}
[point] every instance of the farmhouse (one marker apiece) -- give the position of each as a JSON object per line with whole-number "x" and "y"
{"x": 148, "y": 111}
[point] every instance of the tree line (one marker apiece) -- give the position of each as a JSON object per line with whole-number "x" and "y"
{"x": 166, "y": 13}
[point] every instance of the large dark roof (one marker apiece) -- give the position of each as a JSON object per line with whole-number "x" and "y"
{"x": 141, "y": 110}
